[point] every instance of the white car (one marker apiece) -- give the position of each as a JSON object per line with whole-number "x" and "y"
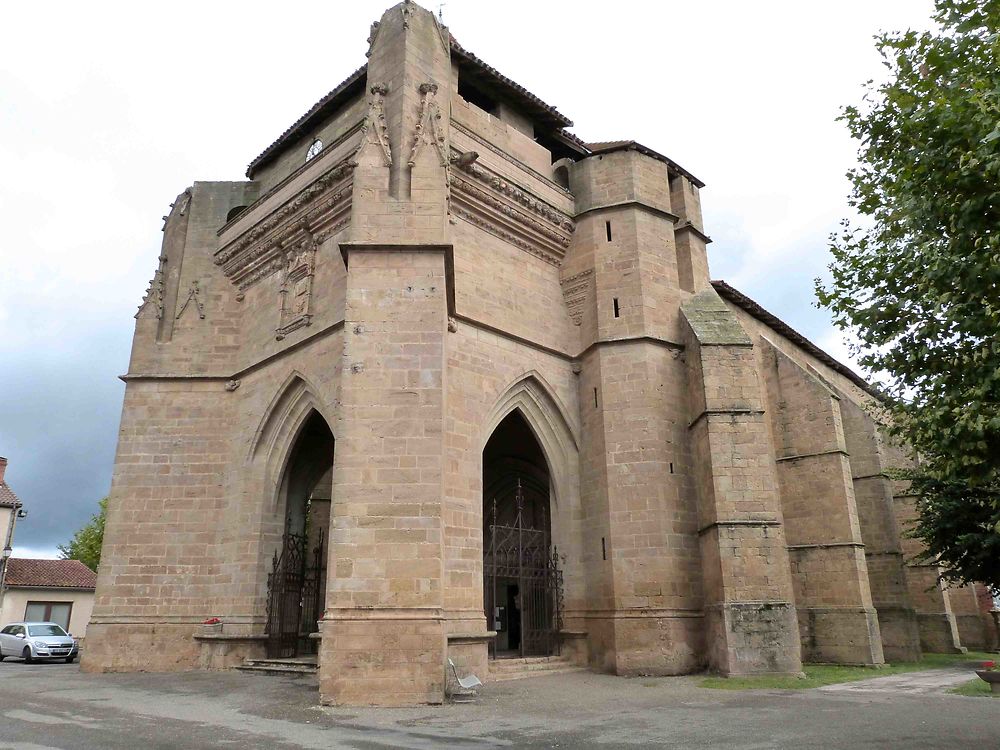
{"x": 32, "y": 641}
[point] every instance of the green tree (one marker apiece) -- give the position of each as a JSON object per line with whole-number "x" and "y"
{"x": 917, "y": 275}
{"x": 85, "y": 545}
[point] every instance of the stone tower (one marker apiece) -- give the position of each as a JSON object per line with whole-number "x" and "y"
{"x": 440, "y": 381}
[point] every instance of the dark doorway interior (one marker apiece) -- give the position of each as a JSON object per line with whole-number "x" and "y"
{"x": 297, "y": 580}
{"x": 522, "y": 584}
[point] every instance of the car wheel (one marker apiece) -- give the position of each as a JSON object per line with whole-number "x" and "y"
{"x": 70, "y": 659}
{"x": 26, "y": 655}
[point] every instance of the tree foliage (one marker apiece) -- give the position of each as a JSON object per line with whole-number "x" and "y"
{"x": 917, "y": 275}
{"x": 85, "y": 545}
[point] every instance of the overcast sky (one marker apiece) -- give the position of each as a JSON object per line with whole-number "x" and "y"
{"x": 109, "y": 110}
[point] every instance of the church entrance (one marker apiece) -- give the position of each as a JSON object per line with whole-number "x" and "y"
{"x": 296, "y": 584}
{"x": 522, "y": 582}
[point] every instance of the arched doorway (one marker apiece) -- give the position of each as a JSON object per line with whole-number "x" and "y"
{"x": 522, "y": 583}
{"x": 296, "y": 585}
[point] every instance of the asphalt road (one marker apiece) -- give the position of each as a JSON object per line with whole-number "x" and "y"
{"x": 45, "y": 706}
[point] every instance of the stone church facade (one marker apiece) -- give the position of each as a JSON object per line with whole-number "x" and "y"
{"x": 441, "y": 380}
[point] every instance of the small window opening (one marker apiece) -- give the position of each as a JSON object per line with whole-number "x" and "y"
{"x": 314, "y": 149}
{"x": 604, "y": 549}
{"x": 561, "y": 176}
{"x": 595, "y": 398}
{"x": 476, "y": 96}
{"x": 671, "y": 467}
{"x": 607, "y": 228}
{"x": 617, "y": 310}
{"x": 234, "y": 212}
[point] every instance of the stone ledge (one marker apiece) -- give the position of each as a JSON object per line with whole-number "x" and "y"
{"x": 229, "y": 637}
{"x": 471, "y": 637}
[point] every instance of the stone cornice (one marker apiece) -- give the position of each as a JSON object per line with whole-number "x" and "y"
{"x": 469, "y": 132}
{"x": 323, "y": 207}
{"x": 490, "y": 202}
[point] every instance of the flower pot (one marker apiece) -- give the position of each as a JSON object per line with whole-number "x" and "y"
{"x": 212, "y": 629}
{"x": 991, "y": 677}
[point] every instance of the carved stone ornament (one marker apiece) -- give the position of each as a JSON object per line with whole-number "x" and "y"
{"x": 154, "y": 294}
{"x": 232, "y": 385}
{"x": 373, "y": 129}
{"x": 194, "y": 295}
{"x": 324, "y": 206}
{"x": 296, "y": 285}
{"x": 490, "y": 202}
{"x": 372, "y": 36}
{"x": 577, "y": 289}
{"x": 428, "y": 130}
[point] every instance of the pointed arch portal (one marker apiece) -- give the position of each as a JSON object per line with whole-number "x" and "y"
{"x": 522, "y": 582}
{"x": 296, "y": 584}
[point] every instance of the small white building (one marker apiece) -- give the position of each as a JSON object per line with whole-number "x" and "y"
{"x": 60, "y": 591}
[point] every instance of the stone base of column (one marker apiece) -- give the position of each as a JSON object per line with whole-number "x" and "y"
{"x": 840, "y": 635}
{"x": 753, "y": 638}
{"x": 938, "y": 633}
{"x": 382, "y": 657}
{"x": 654, "y": 643}
{"x": 900, "y": 633}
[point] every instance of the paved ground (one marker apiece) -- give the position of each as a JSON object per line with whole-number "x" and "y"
{"x": 48, "y": 706}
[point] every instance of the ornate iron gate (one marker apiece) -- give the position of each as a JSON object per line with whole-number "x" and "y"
{"x": 523, "y": 555}
{"x": 294, "y": 594}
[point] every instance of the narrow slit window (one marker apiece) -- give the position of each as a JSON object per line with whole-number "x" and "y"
{"x": 607, "y": 229}
{"x": 617, "y": 309}
{"x": 604, "y": 550}
{"x": 595, "y": 398}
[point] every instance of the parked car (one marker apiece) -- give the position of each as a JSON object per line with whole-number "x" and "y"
{"x": 33, "y": 641}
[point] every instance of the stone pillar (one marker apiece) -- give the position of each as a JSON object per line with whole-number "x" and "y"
{"x": 931, "y": 600}
{"x": 640, "y": 525}
{"x": 750, "y": 618}
{"x": 383, "y": 635}
{"x": 880, "y": 533}
{"x": 837, "y": 622}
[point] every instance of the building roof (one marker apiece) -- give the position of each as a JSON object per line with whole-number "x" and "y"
{"x": 7, "y": 497}
{"x": 61, "y": 574}
{"x": 606, "y": 147}
{"x": 773, "y": 321}
{"x": 355, "y": 83}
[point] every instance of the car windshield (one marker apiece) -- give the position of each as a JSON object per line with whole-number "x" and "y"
{"x": 45, "y": 630}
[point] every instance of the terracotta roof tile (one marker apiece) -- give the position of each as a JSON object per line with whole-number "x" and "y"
{"x": 355, "y": 83}
{"x": 65, "y": 574}
{"x": 7, "y": 497}
{"x": 770, "y": 319}
{"x": 606, "y": 147}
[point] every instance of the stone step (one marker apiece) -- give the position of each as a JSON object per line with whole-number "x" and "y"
{"x": 537, "y": 666}
{"x": 280, "y": 666}
{"x": 504, "y": 677}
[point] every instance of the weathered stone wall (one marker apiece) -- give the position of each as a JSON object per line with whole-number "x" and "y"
{"x": 837, "y": 621}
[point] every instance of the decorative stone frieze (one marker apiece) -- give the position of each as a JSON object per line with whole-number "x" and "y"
{"x": 488, "y": 201}
{"x": 323, "y": 206}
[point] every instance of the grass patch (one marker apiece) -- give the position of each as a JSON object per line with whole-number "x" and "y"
{"x": 817, "y": 675}
{"x": 976, "y": 688}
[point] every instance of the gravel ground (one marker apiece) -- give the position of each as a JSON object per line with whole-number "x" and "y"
{"x": 55, "y": 706}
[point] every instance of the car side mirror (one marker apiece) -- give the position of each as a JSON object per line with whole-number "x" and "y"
{"x": 19, "y": 635}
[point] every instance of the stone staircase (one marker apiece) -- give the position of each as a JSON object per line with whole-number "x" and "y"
{"x": 531, "y": 666}
{"x": 302, "y": 665}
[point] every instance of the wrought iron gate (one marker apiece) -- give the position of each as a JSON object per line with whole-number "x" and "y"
{"x": 523, "y": 555}
{"x": 294, "y": 594}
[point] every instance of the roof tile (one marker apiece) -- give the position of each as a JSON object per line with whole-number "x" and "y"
{"x": 65, "y": 574}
